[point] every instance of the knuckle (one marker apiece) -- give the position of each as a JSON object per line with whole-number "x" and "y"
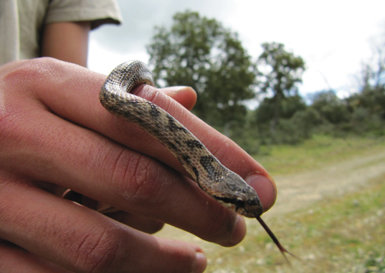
{"x": 97, "y": 251}
{"x": 18, "y": 81}
{"x": 137, "y": 177}
{"x": 26, "y": 72}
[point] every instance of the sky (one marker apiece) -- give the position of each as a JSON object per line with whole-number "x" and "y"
{"x": 334, "y": 37}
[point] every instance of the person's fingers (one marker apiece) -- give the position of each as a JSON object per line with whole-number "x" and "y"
{"x": 82, "y": 240}
{"x": 47, "y": 148}
{"x": 77, "y": 99}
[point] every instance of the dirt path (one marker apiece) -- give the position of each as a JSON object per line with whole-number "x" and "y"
{"x": 296, "y": 191}
{"x": 300, "y": 190}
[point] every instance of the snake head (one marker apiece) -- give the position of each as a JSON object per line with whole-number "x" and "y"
{"x": 239, "y": 195}
{"x": 250, "y": 207}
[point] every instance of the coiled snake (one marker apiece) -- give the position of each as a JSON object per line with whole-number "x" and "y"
{"x": 206, "y": 170}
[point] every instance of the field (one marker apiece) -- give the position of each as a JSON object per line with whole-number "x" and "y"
{"x": 330, "y": 211}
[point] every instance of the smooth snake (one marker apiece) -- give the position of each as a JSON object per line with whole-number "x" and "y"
{"x": 203, "y": 167}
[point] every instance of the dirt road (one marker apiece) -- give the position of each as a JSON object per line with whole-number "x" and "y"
{"x": 300, "y": 190}
{"x": 296, "y": 191}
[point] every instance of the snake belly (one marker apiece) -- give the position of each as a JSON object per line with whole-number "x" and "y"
{"x": 203, "y": 167}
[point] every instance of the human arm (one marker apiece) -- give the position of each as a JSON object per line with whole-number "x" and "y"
{"x": 67, "y": 41}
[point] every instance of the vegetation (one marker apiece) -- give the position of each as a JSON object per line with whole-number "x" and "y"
{"x": 202, "y": 53}
{"x": 315, "y": 153}
{"x": 279, "y": 73}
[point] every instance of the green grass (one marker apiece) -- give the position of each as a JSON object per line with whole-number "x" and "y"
{"x": 314, "y": 153}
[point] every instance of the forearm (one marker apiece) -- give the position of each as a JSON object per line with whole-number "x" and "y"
{"x": 67, "y": 41}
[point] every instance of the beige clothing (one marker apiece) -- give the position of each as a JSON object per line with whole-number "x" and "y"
{"x": 21, "y": 22}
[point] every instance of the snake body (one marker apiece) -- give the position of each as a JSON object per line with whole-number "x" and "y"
{"x": 203, "y": 167}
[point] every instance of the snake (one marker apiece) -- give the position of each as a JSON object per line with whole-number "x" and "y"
{"x": 219, "y": 182}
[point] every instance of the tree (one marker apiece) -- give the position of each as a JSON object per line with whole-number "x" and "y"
{"x": 331, "y": 108}
{"x": 288, "y": 108}
{"x": 290, "y": 121}
{"x": 201, "y": 53}
{"x": 279, "y": 73}
{"x": 372, "y": 83}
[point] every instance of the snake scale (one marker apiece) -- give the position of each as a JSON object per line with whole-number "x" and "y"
{"x": 204, "y": 168}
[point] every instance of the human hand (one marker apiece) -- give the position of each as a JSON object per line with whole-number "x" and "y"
{"x": 54, "y": 135}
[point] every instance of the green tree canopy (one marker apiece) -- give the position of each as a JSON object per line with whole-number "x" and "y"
{"x": 289, "y": 106}
{"x": 201, "y": 53}
{"x": 330, "y": 107}
{"x": 280, "y": 70}
{"x": 279, "y": 73}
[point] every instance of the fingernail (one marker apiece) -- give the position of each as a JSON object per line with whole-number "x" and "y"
{"x": 265, "y": 187}
{"x": 200, "y": 263}
{"x": 173, "y": 90}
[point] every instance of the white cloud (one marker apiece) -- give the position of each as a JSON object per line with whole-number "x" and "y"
{"x": 103, "y": 59}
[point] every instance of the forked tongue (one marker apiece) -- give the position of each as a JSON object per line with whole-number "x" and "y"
{"x": 283, "y": 250}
